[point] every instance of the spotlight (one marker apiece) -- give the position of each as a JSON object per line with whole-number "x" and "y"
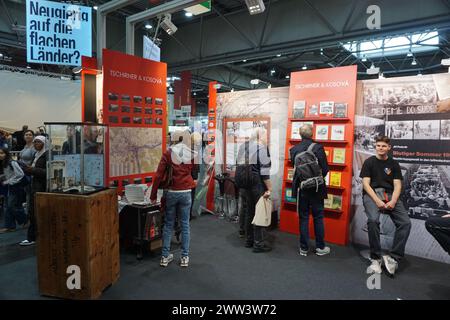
{"x": 269, "y": 86}
{"x": 419, "y": 74}
{"x": 148, "y": 26}
{"x": 373, "y": 69}
{"x": 409, "y": 54}
{"x": 254, "y": 81}
{"x": 188, "y": 14}
{"x": 28, "y": 67}
{"x": 414, "y": 62}
{"x": 255, "y": 6}
{"x": 195, "y": 93}
{"x": 288, "y": 77}
{"x": 232, "y": 89}
{"x": 381, "y": 76}
{"x": 364, "y": 58}
{"x": 1, "y": 55}
{"x": 272, "y": 72}
{"x": 304, "y": 67}
{"x": 168, "y": 25}
{"x": 279, "y": 55}
{"x": 95, "y": 7}
{"x": 245, "y": 60}
{"x": 77, "y": 70}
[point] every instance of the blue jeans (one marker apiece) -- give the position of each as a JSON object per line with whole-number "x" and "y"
{"x": 177, "y": 203}
{"x": 14, "y": 209}
{"x": 316, "y": 204}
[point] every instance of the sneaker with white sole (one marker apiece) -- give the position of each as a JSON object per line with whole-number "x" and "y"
{"x": 25, "y": 243}
{"x": 375, "y": 266}
{"x": 166, "y": 260}
{"x": 303, "y": 252}
{"x": 184, "y": 261}
{"x": 324, "y": 251}
{"x": 390, "y": 264}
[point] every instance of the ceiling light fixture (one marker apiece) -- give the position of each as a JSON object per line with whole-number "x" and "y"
{"x": 168, "y": 25}
{"x": 409, "y": 54}
{"x": 255, "y": 6}
{"x": 95, "y": 7}
{"x": 288, "y": 77}
{"x": 364, "y": 58}
{"x": 272, "y": 72}
{"x": 304, "y": 67}
{"x": 414, "y": 62}
{"x": 419, "y": 74}
{"x": 188, "y": 14}
{"x": 279, "y": 55}
{"x": 148, "y": 26}
{"x": 28, "y": 67}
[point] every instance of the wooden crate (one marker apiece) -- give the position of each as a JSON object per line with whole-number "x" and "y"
{"x": 80, "y": 230}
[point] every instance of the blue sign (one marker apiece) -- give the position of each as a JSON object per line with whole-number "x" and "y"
{"x": 58, "y": 33}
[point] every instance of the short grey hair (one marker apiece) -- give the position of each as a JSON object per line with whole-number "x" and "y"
{"x": 306, "y": 131}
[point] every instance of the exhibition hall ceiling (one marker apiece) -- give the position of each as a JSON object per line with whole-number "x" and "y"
{"x": 231, "y": 46}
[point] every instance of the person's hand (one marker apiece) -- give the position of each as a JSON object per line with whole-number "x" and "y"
{"x": 443, "y": 105}
{"x": 152, "y": 201}
{"x": 267, "y": 194}
{"x": 390, "y": 205}
{"x": 27, "y": 169}
{"x": 380, "y": 204}
{"x": 446, "y": 216}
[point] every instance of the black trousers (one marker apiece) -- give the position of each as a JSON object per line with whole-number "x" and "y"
{"x": 440, "y": 229}
{"x": 32, "y": 229}
{"x": 254, "y": 234}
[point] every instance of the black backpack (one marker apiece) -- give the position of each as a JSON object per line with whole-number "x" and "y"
{"x": 245, "y": 178}
{"x": 307, "y": 170}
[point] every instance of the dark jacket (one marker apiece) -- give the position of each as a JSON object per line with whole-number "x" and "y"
{"x": 39, "y": 174}
{"x": 182, "y": 169}
{"x": 321, "y": 157}
{"x": 258, "y": 156}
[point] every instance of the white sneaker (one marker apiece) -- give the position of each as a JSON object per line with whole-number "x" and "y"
{"x": 166, "y": 260}
{"x": 184, "y": 262}
{"x": 27, "y": 243}
{"x": 324, "y": 251}
{"x": 390, "y": 264}
{"x": 375, "y": 267}
{"x": 303, "y": 252}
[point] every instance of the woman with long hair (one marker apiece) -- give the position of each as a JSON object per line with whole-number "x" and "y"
{"x": 26, "y": 157}
{"x": 11, "y": 175}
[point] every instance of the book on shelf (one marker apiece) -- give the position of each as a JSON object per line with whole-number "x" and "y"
{"x": 298, "y": 110}
{"x": 288, "y": 195}
{"x": 340, "y": 110}
{"x": 290, "y": 174}
{"x": 336, "y": 203}
{"x": 328, "y": 153}
{"x": 326, "y": 107}
{"x": 335, "y": 178}
{"x": 338, "y": 132}
{"x": 313, "y": 110}
{"x": 295, "y": 130}
{"x": 327, "y": 203}
{"x": 327, "y": 179}
{"x": 321, "y": 132}
{"x": 339, "y": 155}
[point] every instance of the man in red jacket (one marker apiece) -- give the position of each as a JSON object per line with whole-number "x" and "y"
{"x": 178, "y": 197}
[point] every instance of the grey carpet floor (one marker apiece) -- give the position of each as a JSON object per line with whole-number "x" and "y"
{"x": 222, "y": 268}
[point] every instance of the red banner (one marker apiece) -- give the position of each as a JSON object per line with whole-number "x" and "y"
{"x": 135, "y": 108}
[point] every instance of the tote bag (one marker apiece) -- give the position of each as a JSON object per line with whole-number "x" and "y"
{"x": 263, "y": 212}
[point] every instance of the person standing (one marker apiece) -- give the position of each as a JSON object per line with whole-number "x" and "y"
{"x": 38, "y": 173}
{"x": 178, "y": 200}
{"x": 26, "y": 157}
{"x": 11, "y": 175}
{"x": 310, "y": 198}
{"x": 254, "y": 157}
{"x": 382, "y": 185}
{"x": 18, "y": 139}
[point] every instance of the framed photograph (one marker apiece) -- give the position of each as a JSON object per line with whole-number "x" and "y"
{"x": 113, "y": 96}
{"x": 290, "y": 174}
{"x": 326, "y": 107}
{"x": 295, "y": 130}
{"x": 337, "y": 202}
{"x": 426, "y": 130}
{"x": 321, "y": 132}
{"x": 445, "y": 130}
{"x": 338, "y": 132}
{"x": 313, "y": 110}
{"x": 113, "y": 108}
{"x": 298, "y": 110}
{"x": 340, "y": 110}
{"x": 402, "y": 130}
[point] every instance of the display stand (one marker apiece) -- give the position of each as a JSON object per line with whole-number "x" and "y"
{"x": 210, "y": 148}
{"x": 78, "y": 237}
{"x": 312, "y": 92}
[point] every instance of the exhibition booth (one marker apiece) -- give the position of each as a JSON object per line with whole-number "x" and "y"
{"x": 122, "y": 129}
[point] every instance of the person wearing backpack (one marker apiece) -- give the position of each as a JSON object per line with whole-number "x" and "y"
{"x": 12, "y": 176}
{"x": 310, "y": 163}
{"x": 253, "y": 179}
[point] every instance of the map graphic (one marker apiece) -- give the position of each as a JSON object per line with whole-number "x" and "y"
{"x": 134, "y": 150}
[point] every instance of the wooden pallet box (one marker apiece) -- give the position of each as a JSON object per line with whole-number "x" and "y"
{"x": 78, "y": 243}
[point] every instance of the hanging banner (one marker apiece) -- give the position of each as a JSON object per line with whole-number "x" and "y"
{"x": 151, "y": 50}
{"x": 58, "y": 33}
{"x": 135, "y": 107}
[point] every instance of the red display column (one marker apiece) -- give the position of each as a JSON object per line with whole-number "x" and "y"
{"x": 210, "y": 149}
{"x": 326, "y": 99}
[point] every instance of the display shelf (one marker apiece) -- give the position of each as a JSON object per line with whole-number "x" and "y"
{"x": 322, "y": 141}
{"x": 323, "y": 119}
{"x": 341, "y": 165}
{"x": 332, "y": 210}
{"x": 336, "y": 188}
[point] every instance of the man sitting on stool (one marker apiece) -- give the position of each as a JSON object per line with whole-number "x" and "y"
{"x": 382, "y": 183}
